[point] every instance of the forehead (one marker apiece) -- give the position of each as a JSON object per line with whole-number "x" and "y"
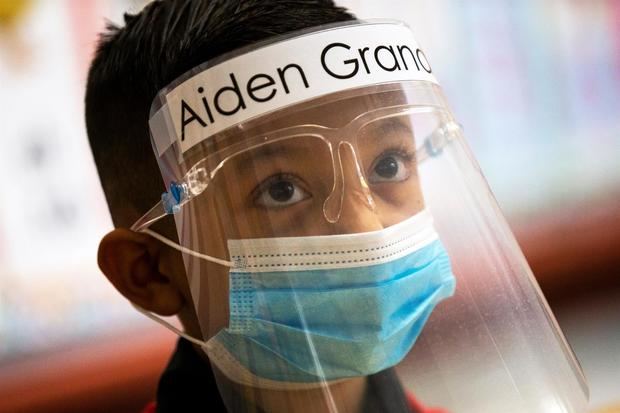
{"x": 335, "y": 112}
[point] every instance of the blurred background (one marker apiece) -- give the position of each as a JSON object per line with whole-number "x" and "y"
{"x": 535, "y": 84}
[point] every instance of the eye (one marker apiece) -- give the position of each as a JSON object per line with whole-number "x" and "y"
{"x": 390, "y": 167}
{"x": 279, "y": 191}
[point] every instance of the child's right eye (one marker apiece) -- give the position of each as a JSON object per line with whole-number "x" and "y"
{"x": 279, "y": 191}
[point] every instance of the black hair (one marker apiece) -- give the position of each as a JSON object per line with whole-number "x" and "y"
{"x": 157, "y": 45}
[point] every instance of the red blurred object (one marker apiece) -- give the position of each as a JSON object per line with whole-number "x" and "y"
{"x": 115, "y": 374}
{"x": 574, "y": 250}
{"x": 150, "y": 408}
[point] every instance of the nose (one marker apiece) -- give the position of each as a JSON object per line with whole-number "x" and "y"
{"x": 350, "y": 207}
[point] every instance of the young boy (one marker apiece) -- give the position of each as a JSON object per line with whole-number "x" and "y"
{"x": 133, "y": 63}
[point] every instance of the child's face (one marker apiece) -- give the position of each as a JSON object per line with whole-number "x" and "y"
{"x": 280, "y": 190}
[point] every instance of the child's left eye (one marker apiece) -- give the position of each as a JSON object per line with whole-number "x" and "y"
{"x": 392, "y": 167}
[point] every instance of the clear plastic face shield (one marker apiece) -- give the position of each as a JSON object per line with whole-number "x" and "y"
{"x": 342, "y": 248}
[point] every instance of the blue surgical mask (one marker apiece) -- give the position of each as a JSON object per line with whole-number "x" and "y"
{"x": 310, "y": 309}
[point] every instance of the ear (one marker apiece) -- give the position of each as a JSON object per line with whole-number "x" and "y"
{"x": 132, "y": 263}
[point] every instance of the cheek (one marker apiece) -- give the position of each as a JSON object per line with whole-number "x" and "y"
{"x": 210, "y": 297}
{"x": 399, "y": 195}
{"x": 396, "y": 202}
{"x": 203, "y": 232}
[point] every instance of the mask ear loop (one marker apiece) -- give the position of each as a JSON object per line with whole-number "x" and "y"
{"x": 185, "y": 250}
{"x": 169, "y": 326}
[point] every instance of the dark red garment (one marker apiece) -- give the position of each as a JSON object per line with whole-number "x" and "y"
{"x": 417, "y": 407}
{"x": 150, "y": 408}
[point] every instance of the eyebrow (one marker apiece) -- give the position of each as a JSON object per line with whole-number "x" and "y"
{"x": 267, "y": 152}
{"x": 389, "y": 126}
